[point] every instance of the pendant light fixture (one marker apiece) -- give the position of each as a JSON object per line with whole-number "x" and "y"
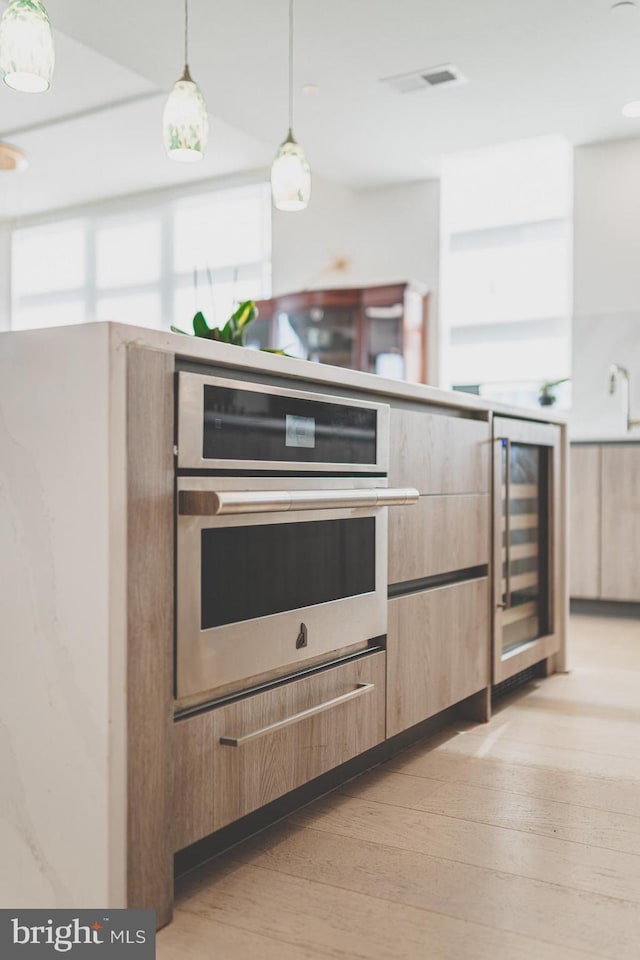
{"x": 12, "y": 158}
{"x": 185, "y": 120}
{"x": 26, "y": 46}
{"x": 290, "y": 173}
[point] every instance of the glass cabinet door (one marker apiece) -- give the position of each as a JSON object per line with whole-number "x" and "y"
{"x": 322, "y": 334}
{"x": 526, "y": 497}
{"x": 380, "y": 329}
{"x": 524, "y": 535}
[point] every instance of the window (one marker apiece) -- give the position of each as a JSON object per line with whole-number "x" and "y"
{"x": 506, "y": 277}
{"x": 152, "y": 265}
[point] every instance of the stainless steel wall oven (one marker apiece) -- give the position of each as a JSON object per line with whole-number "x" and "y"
{"x": 281, "y": 531}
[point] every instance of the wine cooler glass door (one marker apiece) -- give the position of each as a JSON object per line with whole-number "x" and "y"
{"x": 525, "y": 538}
{"x": 525, "y": 489}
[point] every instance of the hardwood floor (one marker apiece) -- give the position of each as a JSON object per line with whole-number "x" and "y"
{"x": 515, "y": 840}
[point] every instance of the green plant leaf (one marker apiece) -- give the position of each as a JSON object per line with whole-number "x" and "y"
{"x": 178, "y": 330}
{"x": 200, "y": 325}
{"x": 233, "y": 330}
{"x": 239, "y": 320}
{"x": 245, "y": 314}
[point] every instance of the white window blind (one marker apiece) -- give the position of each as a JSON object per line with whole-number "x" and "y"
{"x": 151, "y": 264}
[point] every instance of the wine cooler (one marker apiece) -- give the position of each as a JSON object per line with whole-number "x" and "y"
{"x": 526, "y": 502}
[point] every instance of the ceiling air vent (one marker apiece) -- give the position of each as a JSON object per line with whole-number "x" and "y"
{"x": 445, "y": 75}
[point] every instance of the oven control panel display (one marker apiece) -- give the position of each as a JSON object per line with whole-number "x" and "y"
{"x": 254, "y": 426}
{"x": 300, "y": 432}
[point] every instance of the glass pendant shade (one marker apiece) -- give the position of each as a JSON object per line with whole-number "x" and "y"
{"x": 27, "y": 55}
{"x": 185, "y": 121}
{"x": 290, "y": 177}
{"x": 12, "y": 159}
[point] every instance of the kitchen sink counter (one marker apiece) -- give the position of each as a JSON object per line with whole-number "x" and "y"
{"x": 609, "y": 438}
{"x": 87, "y": 516}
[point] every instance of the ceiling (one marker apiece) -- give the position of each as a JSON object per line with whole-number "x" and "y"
{"x": 533, "y": 68}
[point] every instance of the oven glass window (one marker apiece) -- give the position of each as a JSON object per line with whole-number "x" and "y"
{"x": 250, "y": 425}
{"x": 257, "y": 571}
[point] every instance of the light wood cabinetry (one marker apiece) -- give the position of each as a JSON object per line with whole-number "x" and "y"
{"x": 439, "y": 535}
{"x": 448, "y": 459}
{"x": 438, "y": 638}
{"x": 236, "y": 758}
{"x": 438, "y": 651}
{"x": 149, "y": 668}
{"x": 439, "y": 454}
{"x": 605, "y": 522}
{"x": 620, "y": 549}
{"x": 585, "y": 520}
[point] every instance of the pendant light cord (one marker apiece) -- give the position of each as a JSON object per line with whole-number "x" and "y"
{"x": 290, "y": 66}
{"x": 186, "y": 33}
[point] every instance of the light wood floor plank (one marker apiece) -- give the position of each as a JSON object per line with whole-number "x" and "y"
{"x": 605, "y": 872}
{"x": 527, "y": 779}
{"x": 615, "y": 690}
{"x": 308, "y": 913}
{"x": 204, "y": 936}
{"x": 496, "y": 743}
{"x": 611, "y": 643}
{"x": 571, "y": 919}
{"x": 600, "y": 829}
{"x": 571, "y": 726}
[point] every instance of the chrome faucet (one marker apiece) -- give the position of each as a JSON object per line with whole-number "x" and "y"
{"x": 615, "y": 372}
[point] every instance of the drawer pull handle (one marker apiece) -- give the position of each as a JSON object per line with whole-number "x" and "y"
{"x": 360, "y": 689}
{"x": 211, "y": 503}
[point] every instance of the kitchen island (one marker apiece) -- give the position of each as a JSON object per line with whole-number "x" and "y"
{"x": 107, "y": 774}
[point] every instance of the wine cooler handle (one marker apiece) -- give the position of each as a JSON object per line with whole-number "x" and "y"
{"x": 505, "y": 442}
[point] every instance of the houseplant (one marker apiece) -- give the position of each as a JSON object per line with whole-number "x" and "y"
{"x": 547, "y": 397}
{"x": 234, "y": 330}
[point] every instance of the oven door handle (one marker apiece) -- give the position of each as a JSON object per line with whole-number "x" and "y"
{"x": 297, "y": 717}
{"x": 212, "y": 503}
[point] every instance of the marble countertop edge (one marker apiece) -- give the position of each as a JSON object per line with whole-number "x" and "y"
{"x": 226, "y": 355}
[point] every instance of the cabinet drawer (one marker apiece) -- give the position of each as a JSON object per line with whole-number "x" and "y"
{"x": 620, "y": 526}
{"x": 585, "y": 522}
{"x": 238, "y": 757}
{"x": 439, "y": 454}
{"x": 438, "y": 535}
{"x": 437, "y": 651}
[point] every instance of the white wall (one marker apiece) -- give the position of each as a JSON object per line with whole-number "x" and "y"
{"x": 607, "y": 228}
{"x": 382, "y": 235}
{"x": 6, "y": 227}
{"x": 354, "y": 238}
{"x": 606, "y": 326}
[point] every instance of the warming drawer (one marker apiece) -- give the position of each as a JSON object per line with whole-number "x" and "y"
{"x": 239, "y": 757}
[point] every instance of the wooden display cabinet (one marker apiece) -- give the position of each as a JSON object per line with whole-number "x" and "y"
{"x": 379, "y": 329}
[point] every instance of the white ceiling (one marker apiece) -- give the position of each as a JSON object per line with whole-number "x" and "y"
{"x": 534, "y": 67}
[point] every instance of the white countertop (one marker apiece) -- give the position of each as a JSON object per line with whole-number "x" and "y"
{"x": 199, "y": 349}
{"x": 633, "y": 437}
{"x": 226, "y": 355}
